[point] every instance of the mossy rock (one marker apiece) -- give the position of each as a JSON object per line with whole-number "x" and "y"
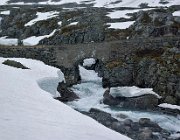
{"x": 15, "y": 64}
{"x": 114, "y": 64}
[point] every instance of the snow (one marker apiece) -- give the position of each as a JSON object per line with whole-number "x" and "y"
{"x": 176, "y": 13}
{"x": 30, "y": 113}
{"x": 131, "y": 91}
{"x": 8, "y": 41}
{"x": 42, "y": 16}
{"x": 60, "y": 23}
{"x": 121, "y": 25}
{"x": 5, "y": 12}
{"x": 89, "y": 62}
{"x": 34, "y": 40}
{"x": 170, "y": 106}
{"x": 123, "y": 13}
{"x": 105, "y": 3}
{"x": 73, "y": 23}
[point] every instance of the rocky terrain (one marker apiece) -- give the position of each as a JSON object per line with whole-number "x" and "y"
{"x": 133, "y": 46}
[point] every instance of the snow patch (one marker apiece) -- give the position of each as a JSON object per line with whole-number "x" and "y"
{"x": 73, "y": 23}
{"x": 121, "y": 25}
{"x": 42, "y": 16}
{"x": 104, "y": 3}
{"x": 170, "y": 106}
{"x": 123, "y": 13}
{"x": 176, "y": 13}
{"x": 89, "y": 62}
{"x": 131, "y": 91}
{"x": 5, "y": 12}
{"x": 30, "y": 113}
{"x": 34, "y": 40}
{"x": 8, "y": 41}
{"x": 60, "y": 23}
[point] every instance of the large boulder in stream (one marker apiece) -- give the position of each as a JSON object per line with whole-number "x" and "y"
{"x": 142, "y": 100}
{"x": 66, "y": 94}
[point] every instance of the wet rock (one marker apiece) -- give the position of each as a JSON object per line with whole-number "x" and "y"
{"x": 146, "y": 134}
{"x": 102, "y": 117}
{"x": 15, "y": 64}
{"x": 66, "y": 94}
{"x": 170, "y": 100}
{"x": 128, "y": 122}
{"x": 118, "y": 76}
{"x": 71, "y": 75}
{"x": 143, "y": 102}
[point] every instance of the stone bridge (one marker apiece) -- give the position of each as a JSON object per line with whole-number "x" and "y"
{"x": 67, "y": 55}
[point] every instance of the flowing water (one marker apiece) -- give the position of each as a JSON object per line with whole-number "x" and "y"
{"x": 91, "y": 92}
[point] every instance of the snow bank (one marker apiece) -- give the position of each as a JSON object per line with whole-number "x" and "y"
{"x": 73, "y": 23}
{"x": 42, "y": 16}
{"x": 176, "y": 13}
{"x": 5, "y": 12}
{"x": 170, "y": 106}
{"x": 131, "y": 91}
{"x": 121, "y": 25}
{"x": 89, "y": 62}
{"x": 123, "y": 13}
{"x": 34, "y": 40}
{"x": 8, "y": 41}
{"x": 105, "y": 3}
{"x": 30, "y": 113}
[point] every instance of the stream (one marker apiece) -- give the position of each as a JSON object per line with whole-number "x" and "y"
{"x": 91, "y": 92}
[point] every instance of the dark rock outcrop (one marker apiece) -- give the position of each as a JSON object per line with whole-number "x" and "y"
{"x": 15, "y": 64}
{"x": 66, "y": 94}
{"x": 143, "y": 102}
{"x": 145, "y": 129}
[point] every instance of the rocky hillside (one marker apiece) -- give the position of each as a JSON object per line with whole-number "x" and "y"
{"x": 83, "y": 22}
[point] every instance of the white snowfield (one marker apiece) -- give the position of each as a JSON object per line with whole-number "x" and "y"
{"x": 131, "y": 91}
{"x": 170, "y": 106}
{"x": 106, "y": 3}
{"x": 5, "y": 12}
{"x": 34, "y": 40}
{"x": 8, "y": 41}
{"x": 89, "y": 62}
{"x": 176, "y": 13}
{"x": 42, "y": 16}
{"x": 121, "y": 25}
{"x": 29, "y": 113}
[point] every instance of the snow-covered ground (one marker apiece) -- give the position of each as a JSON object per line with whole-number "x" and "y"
{"x": 42, "y": 16}
{"x": 121, "y": 25}
{"x": 73, "y": 23}
{"x": 131, "y": 91}
{"x": 29, "y": 113}
{"x": 176, "y": 13}
{"x": 170, "y": 106}
{"x": 89, "y": 62}
{"x": 5, "y": 12}
{"x": 106, "y": 3}
{"x": 34, "y": 40}
{"x": 8, "y": 41}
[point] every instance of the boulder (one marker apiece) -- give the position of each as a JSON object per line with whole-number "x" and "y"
{"x": 143, "y": 102}
{"x": 66, "y": 94}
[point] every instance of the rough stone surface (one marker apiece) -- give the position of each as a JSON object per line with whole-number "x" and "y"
{"x": 66, "y": 94}
{"x": 141, "y": 102}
